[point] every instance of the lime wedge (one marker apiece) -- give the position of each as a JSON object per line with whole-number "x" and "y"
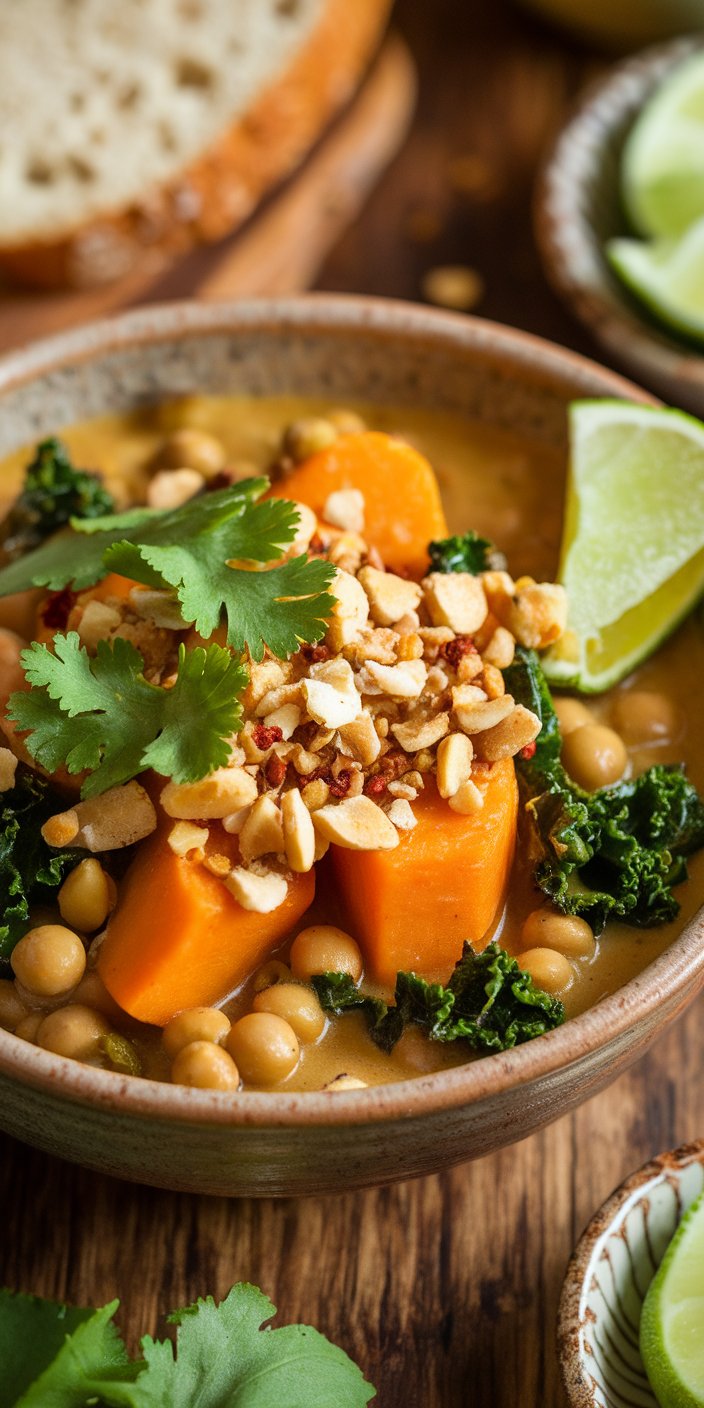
{"x": 667, "y": 275}
{"x": 672, "y": 1319}
{"x": 663, "y": 159}
{"x": 632, "y": 556}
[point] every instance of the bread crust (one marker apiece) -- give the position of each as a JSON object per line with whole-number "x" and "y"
{"x": 218, "y": 191}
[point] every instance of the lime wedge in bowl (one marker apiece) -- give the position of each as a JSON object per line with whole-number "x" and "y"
{"x": 667, "y": 275}
{"x": 672, "y": 1319}
{"x": 663, "y": 159}
{"x": 632, "y": 556}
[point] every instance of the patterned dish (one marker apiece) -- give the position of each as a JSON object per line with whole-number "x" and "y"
{"x": 578, "y": 208}
{"x": 608, "y": 1277}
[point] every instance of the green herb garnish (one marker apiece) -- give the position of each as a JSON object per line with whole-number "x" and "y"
{"x": 28, "y": 868}
{"x": 488, "y": 1002}
{"x": 465, "y": 553}
{"x": 98, "y": 713}
{"x": 612, "y": 854}
{"x": 53, "y": 493}
{"x": 223, "y": 1358}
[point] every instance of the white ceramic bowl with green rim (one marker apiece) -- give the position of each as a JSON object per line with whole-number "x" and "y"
{"x": 578, "y": 208}
{"x": 291, "y": 1142}
{"x": 609, "y": 1275}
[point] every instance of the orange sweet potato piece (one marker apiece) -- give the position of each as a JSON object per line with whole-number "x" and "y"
{"x": 412, "y": 907}
{"x": 179, "y": 939}
{"x": 403, "y": 511}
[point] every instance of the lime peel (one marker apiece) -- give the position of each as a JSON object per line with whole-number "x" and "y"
{"x": 672, "y": 1319}
{"x": 663, "y": 159}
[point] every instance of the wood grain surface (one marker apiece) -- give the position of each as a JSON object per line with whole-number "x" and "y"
{"x": 444, "y": 1290}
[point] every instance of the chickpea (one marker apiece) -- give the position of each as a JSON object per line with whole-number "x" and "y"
{"x": 324, "y": 949}
{"x": 12, "y": 1008}
{"x": 270, "y": 973}
{"x": 74, "y": 1031}
{"x": 197, "y": 1024}
{"x": 84, "y": 897}
{"x": 571, "y": 713}
{"x": 548, "y": 969}
{"x": 564, "y": 933}
{"x": 297, "y": 1005}
{"x": 594, "y": 756}
{"x": 303, "y": 438}
{"x": 192, "y": 449}
{"x": 646, "y": 716}
{"x": 92, "y": 992}
{"x": 29, "y": 1026}
{"x": 49, "y": 960}
{"x": 346, "y": 422}
{"x": 264, "y": 1046}
{"x": 205, "y": 1066}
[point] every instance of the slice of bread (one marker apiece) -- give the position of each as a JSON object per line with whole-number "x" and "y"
{"x": 151, "y": 125}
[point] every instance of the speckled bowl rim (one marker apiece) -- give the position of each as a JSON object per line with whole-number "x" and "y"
{"x": 569, "y": 1319}
{"x": 569, "y": 246}
{"x": 679, "y": 969}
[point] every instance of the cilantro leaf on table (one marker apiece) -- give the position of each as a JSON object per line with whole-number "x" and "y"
{"x": 466, "y": 553}
{"x": 279, "y": 608}
{"x": 53, "y": 492}
{"x": 100, "y": 714}
{"x": 28, "y": 868}
{"x": 224, "y": 1359}
{"x": 489, "y": 1002}
{"x": 69, "y": 1374}
{"x": 611, "y": 854}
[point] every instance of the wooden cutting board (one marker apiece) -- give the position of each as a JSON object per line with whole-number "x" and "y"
{"x": 282, "y": 247}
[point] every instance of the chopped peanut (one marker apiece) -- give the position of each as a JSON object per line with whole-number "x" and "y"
{"x": 390, "y": 597}
{"x": 262, "y": 832}
{"x": 97, "y": 621}
{"x": 403, "y": 681}
{"x": 350, "y": 612}
{"x": 538, "y": 614}
{"x": 109, "y": 822}
{"x": 260, "y": 893}
{"x": 223, "y": 791}
{"x": 454, "y": 763}
{"x": 299, "y": 833}
{"x": 184, "y": 836}
{"x": 421, "y": 733}
{"x": 467, "y": 800}
{"x": 507, "y": 738}
{"x": 8, "y": 768}
{"x": 330, "y": 693}
{"x": 357, "y": 824}
{"x": 455, "y": 599}
{"x": 474, "y": 718}
{"x": 360, "y": 739}
{"x": 401, "y": 814}
{"x": 344, "y": 508}
{"x": 500, "y": 649}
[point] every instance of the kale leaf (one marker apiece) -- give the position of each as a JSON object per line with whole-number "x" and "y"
{"x": 28, "y": 867}
{"x": 53, "y": 493}
{"x": 611, "y": 854}
{"x": 466, "y": 553}
{"x": 488, "y": 1002}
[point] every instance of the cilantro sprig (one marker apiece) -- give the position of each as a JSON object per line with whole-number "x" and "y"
{"x": 210, "y": 552}
{"x": 99, "y": 714}
{"x": 53, "y": 493}
{"x": 224, "y": 1357}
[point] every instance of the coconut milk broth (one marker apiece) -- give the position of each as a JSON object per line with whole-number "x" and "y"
{"x": 507, "y": 488}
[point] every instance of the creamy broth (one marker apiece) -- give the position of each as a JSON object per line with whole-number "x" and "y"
{"x": 509, "y": 489}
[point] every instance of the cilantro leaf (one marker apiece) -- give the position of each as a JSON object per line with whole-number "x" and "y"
{"x": 53, "y": 493}
{"x": 77, "y": 559}
{"x": 280, "y": 608}
{"x": 465, "y": 553}
{"x": 32, "y": 1331}
{"x": 489, "y": 1002}
{"x": 611, "y": 854}
{"x": 224, "y": 1359}
{"x": 74, "y": 1372}
{"x": 28, "y": 868}
{"x": 100, "y": 714}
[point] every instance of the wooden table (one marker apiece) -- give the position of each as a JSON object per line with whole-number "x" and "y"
{"x": 444, "y": 1290}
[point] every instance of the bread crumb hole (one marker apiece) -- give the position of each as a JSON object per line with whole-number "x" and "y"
{"x": 129, "y": 97}
{"x": 81, "y": 169}
{"x": 39, "y": 172}
{"x": 288, "y": 9}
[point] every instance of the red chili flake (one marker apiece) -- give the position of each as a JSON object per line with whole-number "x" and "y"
{"x": 222, "y": 480}
{"x": 316, "y": 546}
{"x": 375, "y": 786}
{"x": 455, "y": 650}
{"x": 340, "y": 785}
{"x": 266, "y": 737}
{"x": 313, "y": 654}
{"x": 58, "y": 608}
{"x": 275, "y": 771}
{"x": 528, "y": 751}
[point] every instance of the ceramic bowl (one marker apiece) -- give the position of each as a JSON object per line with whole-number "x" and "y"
{"x": 608, "y": 1277}
{"x": 578, "y": 208}
{"x": 290, "y": 1142}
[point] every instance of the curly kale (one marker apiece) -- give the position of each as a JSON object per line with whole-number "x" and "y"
{"x": 28, "y": 868}
{"x": 468, "y": 553}
{"x": 488, "y": 1002}
{"x": 612, "y": 854}
{"x": 53, "y": 493}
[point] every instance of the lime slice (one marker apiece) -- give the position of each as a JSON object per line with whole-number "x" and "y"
{"x": 633, "y": 542}
{"x": 672, "y": 1319}
{"x": 667, "y": 275}
{"x": 663, "y": 159}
